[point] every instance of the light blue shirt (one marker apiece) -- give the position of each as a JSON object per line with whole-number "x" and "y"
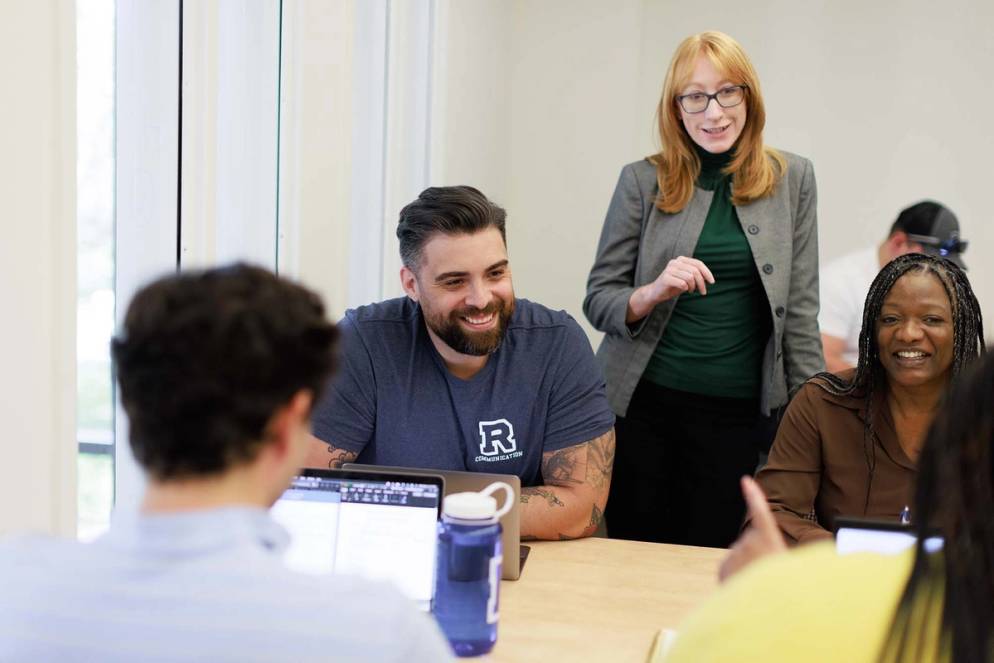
{"x": 197, "y": 586}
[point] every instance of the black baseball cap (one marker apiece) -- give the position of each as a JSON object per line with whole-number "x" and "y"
{"x": 935, "y": 227}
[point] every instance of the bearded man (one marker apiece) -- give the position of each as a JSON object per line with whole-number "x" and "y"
{"x": 459, "y": 375}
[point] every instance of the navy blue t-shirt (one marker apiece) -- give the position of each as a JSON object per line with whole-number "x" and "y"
{"x": 396, "y": 403}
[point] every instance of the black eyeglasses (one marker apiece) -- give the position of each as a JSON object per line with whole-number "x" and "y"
{"x": 952, "y": 244}
{"x": 727, "y": 97}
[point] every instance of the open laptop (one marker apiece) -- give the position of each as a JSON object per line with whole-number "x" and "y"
{"x": 854, "y": 535}
{"x": 376, "y": 524}
{"x": 462, "y": 482}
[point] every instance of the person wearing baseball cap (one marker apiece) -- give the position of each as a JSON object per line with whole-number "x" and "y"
{"x": 925, "y": 227}
{"x": 929, "y": 227}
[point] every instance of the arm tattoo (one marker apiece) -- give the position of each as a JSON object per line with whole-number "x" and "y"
{"x": 600, "y": 459}
{"x": 548, "y": 495}
{"x": 560, "y": 468}
{"x": 596, "y": 518}
{"x": 339, "y": 457}
{"x": 589, "y": 462}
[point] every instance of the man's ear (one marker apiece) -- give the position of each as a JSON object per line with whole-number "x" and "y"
{"x": 897, "y": 244}
{"x": 410, "y": 283}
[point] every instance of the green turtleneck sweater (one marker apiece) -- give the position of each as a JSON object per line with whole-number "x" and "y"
{"x": 714, "y": 344}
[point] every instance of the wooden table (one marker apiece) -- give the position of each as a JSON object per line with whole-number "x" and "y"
{"x": 599, "y": 599}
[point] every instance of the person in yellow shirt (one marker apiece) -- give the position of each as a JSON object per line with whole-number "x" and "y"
{"x": 811, "y": 604}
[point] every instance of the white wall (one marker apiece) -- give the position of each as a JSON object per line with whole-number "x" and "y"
{"x": 545, "y": 101}
{"x": 38, "y": 259}
{"x": 574, "y": 123}
{"x": 471, "y": 121}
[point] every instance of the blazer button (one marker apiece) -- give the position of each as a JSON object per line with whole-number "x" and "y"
{"x": 754, "y": 229}
{"x": 780, "y": 311}
{"x": 767, "y": 268}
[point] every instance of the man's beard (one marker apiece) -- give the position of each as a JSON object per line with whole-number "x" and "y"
{"x": 474, "y": 343}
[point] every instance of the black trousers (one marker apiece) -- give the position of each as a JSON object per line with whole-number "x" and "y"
{"x": 678, "y": 461}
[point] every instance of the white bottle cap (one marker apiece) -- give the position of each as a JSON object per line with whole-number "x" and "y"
{"x": 470, "y": 506}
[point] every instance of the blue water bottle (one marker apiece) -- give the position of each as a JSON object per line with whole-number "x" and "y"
{"x": 468, "y": 569}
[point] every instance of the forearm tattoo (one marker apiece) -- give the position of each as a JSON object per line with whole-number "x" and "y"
{"x": 542, "y": 493}
{"x": 339, "y": 457}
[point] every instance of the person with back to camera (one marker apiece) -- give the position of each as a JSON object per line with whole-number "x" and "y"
{"x": 848, "y": 444}
{"x": 218, "y": 371}
{"x": 706, "y": 285}
{"x": 921, "y": 605}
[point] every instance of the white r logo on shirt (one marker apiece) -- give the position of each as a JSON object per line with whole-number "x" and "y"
{"x": 497, "y": 437}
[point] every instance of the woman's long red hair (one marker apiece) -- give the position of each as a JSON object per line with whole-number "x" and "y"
{"x": 755, "y": 168}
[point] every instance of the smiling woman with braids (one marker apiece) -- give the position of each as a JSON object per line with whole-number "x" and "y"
{"x": 849, "y": 442}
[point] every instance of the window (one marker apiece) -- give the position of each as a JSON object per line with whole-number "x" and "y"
{"x": 95, "y": 266}
{"x": 301, "y": 131}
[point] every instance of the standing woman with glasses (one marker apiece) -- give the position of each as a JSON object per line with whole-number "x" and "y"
{"x": 706, "y": 286}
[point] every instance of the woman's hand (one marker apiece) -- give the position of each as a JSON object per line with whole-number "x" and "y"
{"x": 682, "y": 274}
{"x": 762, "y": 538}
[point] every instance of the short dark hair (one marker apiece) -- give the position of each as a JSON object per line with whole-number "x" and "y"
{"x": 205, "y": 358}
{"x": 920, "y": 218}
{"x": 445, "y": 209}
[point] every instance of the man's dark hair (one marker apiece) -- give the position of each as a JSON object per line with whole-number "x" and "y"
{"x": 445, "y": 209}
{"x": 918, "y": 219}
{"x": 205, "y": 358}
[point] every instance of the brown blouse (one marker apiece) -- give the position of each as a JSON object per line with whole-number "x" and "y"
{"x": 818, "y": 470}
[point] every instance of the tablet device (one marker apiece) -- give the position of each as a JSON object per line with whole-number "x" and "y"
{"x": 879, "y": 536}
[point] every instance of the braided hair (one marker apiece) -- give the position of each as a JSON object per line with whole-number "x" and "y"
{"x": 870, "y": 377}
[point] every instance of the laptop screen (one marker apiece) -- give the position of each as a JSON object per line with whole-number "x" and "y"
{"x": 374, "y": 525}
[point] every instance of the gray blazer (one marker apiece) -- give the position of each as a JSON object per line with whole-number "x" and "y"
{"x": 638, "y": 240}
